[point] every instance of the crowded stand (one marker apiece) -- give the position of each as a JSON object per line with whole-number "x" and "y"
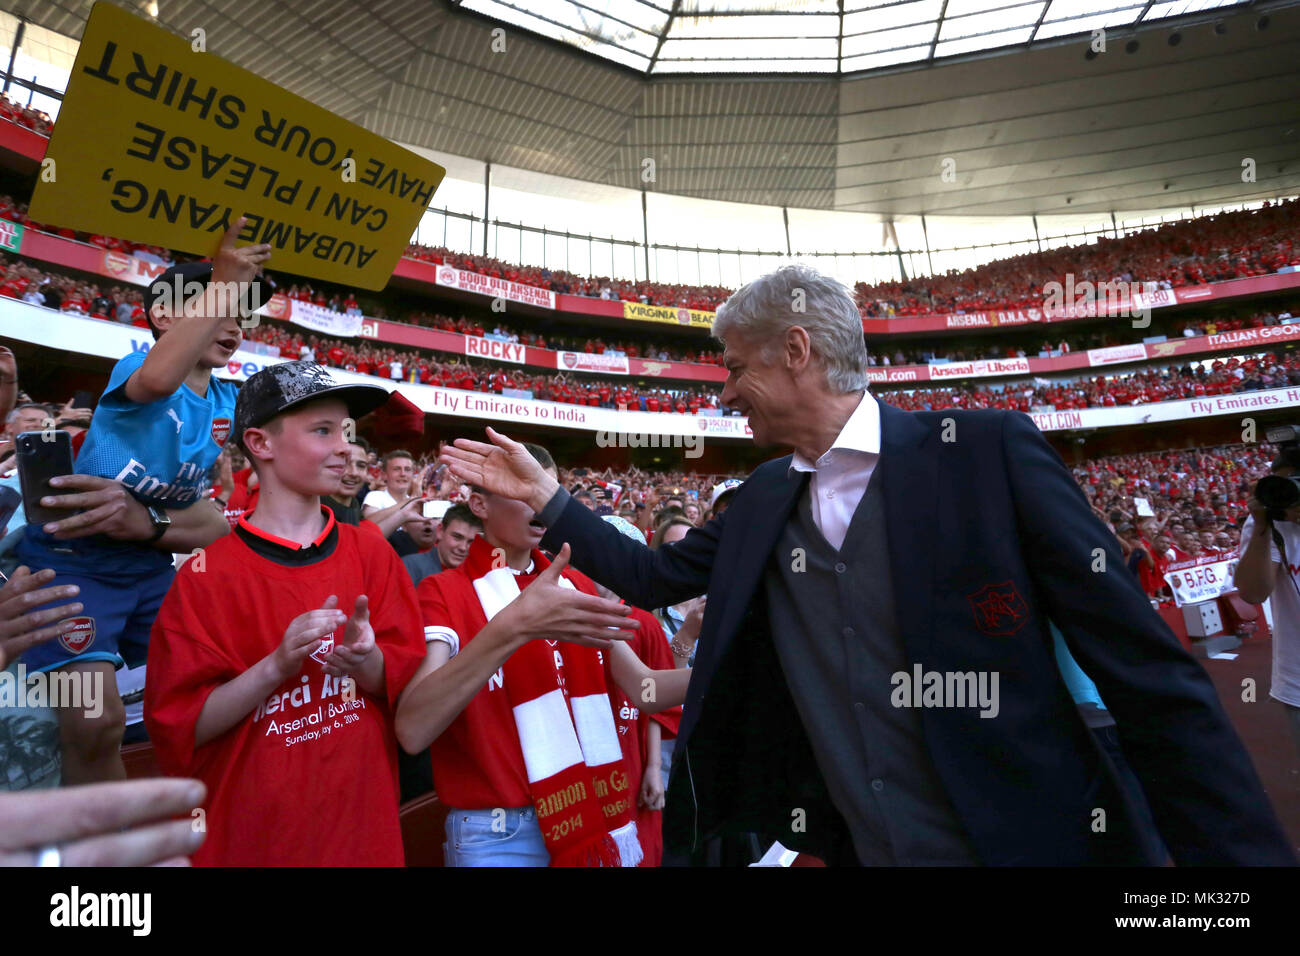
{"x": 1220, "y": 376}
{"x": 1229, "y": 245}
{"x": 38, "y": 121}
{"x": 1216, "y": 248}
{"x": 884, "y": 353}
{"x": 1246, "y": 373}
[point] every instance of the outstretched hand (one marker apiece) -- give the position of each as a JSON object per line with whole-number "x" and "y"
{"x": 549, "y": 611}
{"x": 504, "y": 468}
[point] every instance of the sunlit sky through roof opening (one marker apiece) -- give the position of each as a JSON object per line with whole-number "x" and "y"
{"x": 812, "y": 36}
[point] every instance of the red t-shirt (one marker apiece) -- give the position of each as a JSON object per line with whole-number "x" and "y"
{"x": 305, "y": 779}
{"x": 239, "y": 499}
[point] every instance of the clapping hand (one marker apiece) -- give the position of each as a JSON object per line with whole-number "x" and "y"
{"x": 358, "y": 641}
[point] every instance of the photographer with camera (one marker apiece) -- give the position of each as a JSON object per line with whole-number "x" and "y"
{"x": 1270, "y": 551}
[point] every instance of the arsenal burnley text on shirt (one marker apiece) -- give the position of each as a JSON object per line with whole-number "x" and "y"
{"x": 336, "y": 707}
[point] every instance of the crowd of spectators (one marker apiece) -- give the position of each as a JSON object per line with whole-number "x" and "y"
{"x": 38, "y": 121}
{"x": 427, "y": 368}
{"x": 1196, "y": 502}
{"x": 677, "y": 295}
{"x": 883, "y": 355}
{"x": 1219, "y": 377}
{"x": 23, "y": 280}
{"x": 17, "y": 212}
{"x": 1229, "y": 245}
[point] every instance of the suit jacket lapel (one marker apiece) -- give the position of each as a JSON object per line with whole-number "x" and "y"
{"x": 909, "y": 472}
{"x": 764, "y": 514}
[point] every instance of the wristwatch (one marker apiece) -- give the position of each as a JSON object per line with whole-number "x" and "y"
{"x": 161, "y": 521}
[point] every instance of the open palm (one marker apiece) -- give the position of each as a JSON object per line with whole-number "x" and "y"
{"x": 503, "y": 468}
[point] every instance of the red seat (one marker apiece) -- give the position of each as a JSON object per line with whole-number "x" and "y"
{"x": 423, "y": 820}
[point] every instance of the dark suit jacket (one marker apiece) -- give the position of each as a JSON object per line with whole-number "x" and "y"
{"x": 989, "y": 537}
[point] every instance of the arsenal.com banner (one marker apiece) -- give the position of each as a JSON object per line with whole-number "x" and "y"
{"x": 587, "y": 362}
{"x": 497, "y": 288}
{"x": 1200, "y": 579}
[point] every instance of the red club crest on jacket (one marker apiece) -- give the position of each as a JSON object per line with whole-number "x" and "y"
{"x": 999, "y": 609}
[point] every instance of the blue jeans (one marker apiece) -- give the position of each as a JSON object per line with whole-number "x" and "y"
{"x": 509, "y": 837}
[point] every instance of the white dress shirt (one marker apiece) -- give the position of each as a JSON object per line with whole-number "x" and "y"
{"x": 839, "y": 477}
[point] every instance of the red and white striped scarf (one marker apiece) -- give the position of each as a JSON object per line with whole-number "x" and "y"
{"x": 585, "y": 800}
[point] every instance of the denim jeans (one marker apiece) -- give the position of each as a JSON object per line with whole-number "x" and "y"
{"x": 503, "y": 837}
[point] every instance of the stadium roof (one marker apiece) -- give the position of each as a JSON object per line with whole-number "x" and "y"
{"x": 1164, "y": 118}
{"x": 814, "y": 36}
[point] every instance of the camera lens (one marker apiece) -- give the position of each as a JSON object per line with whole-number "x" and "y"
{"x": 1276, "y": 492}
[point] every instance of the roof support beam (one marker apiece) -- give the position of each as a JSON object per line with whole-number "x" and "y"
{"x": 668, "y": 27}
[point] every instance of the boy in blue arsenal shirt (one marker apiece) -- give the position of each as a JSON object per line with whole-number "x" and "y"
{"x": 159, "y": 428}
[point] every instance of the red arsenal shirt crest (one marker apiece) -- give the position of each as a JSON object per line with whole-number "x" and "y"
{"x": 82, "y": 635}
{"x": 220, "y": 430}
{"x": 999, "y": 609}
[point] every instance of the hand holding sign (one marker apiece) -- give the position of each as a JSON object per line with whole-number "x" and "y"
{"x": 186, "y": 143}
{"x": 238, "y": 265}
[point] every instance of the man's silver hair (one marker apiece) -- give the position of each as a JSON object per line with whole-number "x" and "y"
{"x": 765, "y": 309}
{"x": 19, "y": 409}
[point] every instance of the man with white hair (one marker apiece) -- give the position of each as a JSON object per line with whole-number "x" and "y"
{"x": 875, "y": 680}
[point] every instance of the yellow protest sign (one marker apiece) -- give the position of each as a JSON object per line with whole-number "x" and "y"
{"x": 161, "y": 144}
{"x": 695, "y": 318}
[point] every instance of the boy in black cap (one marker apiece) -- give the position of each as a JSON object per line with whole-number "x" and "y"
{"x": 157, "y": 432}
{"x": 276, "y": 667}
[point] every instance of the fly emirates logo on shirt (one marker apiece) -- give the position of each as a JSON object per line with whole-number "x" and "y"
{"x": 305, "y": 716}
{"x": 189, "y": 483}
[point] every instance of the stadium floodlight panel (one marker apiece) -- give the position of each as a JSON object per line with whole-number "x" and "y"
{"x": 819, "y": 36}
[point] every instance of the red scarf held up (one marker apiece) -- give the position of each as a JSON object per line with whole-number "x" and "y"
{"x": 577, "y": 778}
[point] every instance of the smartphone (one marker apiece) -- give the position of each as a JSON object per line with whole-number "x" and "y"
{"x": 41, "y": 456}
{"x": 83, "y": 399}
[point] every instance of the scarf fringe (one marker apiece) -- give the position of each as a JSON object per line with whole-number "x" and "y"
{"x": 629, "y": 845}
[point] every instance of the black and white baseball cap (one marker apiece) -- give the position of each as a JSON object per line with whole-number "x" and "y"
{"x": 280, "y": 388}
